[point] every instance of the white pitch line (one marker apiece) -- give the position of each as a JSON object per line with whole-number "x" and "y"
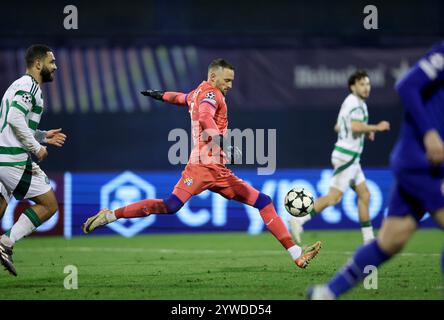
{"x": 183, "y": 251}
{"x": 121, "y": 249}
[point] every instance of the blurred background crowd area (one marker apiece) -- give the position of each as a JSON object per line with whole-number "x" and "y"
{"x": 292, "y": 61}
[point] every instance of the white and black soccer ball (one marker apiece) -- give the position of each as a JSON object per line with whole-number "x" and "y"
{"x": 299, "y": 202}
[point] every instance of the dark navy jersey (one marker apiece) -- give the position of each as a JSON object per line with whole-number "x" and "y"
{"x": 422, "y": 94}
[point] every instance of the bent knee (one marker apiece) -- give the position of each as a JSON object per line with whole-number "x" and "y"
{"x": 172, "y": 204}
{"x": 51, "y": 208}
{"x": 335, "y": 199}
{"x": 395, "y": 234}
{"x": 392, "y": 246}
{"x": 262, "y": 201}
{"x": 365, "y": 196}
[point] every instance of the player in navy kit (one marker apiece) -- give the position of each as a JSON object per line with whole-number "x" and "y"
{"x": 417, "y": 161}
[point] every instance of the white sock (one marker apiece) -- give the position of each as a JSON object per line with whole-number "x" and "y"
{"x": 367, "y": 234}
{"x": 111, "y": 217}
{"x": 303, "y": 219}
{"x": 19, "y": 230}
{"x": 295, "y": 252}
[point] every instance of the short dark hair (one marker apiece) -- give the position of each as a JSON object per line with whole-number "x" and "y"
{"x": 34, "y": 52}
{"x": 220, "y": 63}
{"x": 356, "y": 76}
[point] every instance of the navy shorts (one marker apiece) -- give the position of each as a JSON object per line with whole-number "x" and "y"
{"x": 417, "y": 192}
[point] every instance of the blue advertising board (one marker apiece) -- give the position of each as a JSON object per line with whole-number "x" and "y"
{"x": 86, "y": 193}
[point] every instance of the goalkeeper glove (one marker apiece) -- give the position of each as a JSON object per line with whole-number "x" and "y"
{"x": 155, "y": 94}
{"x": 233, "y": 153}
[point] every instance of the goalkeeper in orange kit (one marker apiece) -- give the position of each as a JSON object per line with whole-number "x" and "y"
{"x": 206, "y": 168}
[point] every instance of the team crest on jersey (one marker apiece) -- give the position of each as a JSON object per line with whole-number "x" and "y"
{"x": 26, "y": 98}
{"x": 188, "y": 181}
{"x": 210, "y": 95}
{"x": 442, "y": 188}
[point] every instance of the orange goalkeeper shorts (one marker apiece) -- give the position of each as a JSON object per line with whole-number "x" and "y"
{"x": 217, "y": 178}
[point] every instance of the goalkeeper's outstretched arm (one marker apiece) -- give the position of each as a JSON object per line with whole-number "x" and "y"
{"x": 172, "y": 97}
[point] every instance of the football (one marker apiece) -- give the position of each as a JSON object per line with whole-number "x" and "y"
{"x": 299, "y": 202}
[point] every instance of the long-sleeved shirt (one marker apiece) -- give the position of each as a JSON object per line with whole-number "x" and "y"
{"x": 422, "y": 94}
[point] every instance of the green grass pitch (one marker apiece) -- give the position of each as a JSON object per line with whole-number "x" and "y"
{"x": 210, "y": 266}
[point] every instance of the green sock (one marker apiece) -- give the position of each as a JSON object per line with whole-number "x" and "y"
{"x": 367, "y": 223}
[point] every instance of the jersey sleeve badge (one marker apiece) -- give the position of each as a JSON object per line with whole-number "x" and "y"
{"x": 26, "y": 98}
{"x": 210, "y": 95}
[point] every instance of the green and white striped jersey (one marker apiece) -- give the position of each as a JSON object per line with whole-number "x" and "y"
{"x": 350, "y": 145}
{"x": 25, "y": 95}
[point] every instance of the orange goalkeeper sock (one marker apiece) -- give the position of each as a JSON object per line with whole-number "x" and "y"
{"x": 141, "y": 209}
{"x": 276, "y": 226}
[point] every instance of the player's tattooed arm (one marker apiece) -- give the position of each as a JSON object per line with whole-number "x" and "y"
{"x": 40, "y": 136}
{"x": 55, "y": 137}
